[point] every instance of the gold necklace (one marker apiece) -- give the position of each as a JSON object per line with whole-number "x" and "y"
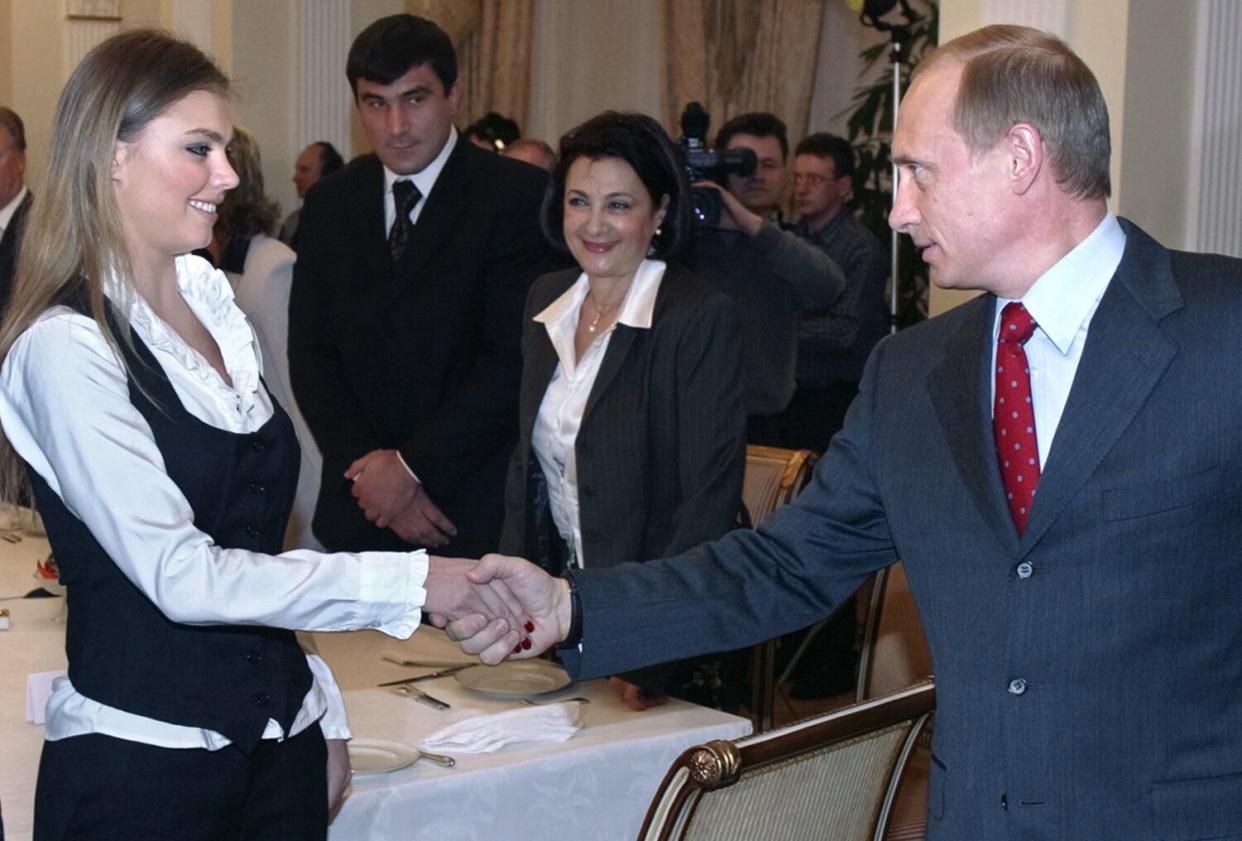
{"x": 600, "y": 312}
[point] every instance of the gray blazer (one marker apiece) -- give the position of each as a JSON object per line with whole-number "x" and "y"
{"x": 661, "y": 448}
{"x": 1089, "y": 675}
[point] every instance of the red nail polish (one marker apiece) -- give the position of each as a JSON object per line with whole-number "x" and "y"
{"x": 526, "y": 644}
{"x": 517, "y": 649}
{"x": 530, "y": 627}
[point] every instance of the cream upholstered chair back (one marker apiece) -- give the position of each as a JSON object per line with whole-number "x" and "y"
{"x": 829, "y": 778}
{"x": 894, "y": 651}
{"x": 773, "y": 477}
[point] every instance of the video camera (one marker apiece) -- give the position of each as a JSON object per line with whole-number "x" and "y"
{"x": 704, "y": 164}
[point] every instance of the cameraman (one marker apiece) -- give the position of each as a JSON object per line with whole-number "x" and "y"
{"x": 773, "y": 275}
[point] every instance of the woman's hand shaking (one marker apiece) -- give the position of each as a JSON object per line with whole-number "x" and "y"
{"x": 521, "y": 591}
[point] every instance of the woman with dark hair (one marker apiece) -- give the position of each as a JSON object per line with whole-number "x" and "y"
{"x": 132, "y": 407}
{"x": 631, "y": 426}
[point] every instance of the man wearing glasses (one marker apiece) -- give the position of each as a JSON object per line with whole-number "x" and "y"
{"x": 834, "y": 342}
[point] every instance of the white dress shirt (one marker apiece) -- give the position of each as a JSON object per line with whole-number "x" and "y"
{"x": 564, "y": 402}
{"x": 1062, "y": 301}
{"x": 66, "y": 409}
{"x": 424, "y": 180}
{"x": 6, "y": 212}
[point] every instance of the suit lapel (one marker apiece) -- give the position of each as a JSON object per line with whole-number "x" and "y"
{"x": 959, "y": 388}
{"x": 368, "y": 204}
{"x": 614, "y": 357}
{"x": 1125, "y": 356}
{"x": 448, "y": 199}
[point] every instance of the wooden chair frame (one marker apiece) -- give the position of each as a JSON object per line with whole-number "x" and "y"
{"x": 719, "y": 764}
{"x": 796, "y": 472}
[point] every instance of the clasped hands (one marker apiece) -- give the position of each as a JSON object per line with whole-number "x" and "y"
{"x": 499, "y": 607}
{"x": 392, "y": 498}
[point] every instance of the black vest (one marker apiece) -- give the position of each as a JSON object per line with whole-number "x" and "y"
{"x": 122, "y": 651}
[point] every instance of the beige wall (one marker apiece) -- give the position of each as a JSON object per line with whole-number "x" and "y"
{"x": 263, "y": 68}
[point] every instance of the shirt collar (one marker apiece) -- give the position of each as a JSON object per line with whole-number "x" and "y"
{"x": 7, "y": 212}
{"x": 1063, "y": 298}
{"x": 425, "y": 178}
{"x": 637, "y": 311}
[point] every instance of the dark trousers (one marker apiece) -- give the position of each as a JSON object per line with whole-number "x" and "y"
{"x": 813, "y": 416}
{"x": 97, "y": 788}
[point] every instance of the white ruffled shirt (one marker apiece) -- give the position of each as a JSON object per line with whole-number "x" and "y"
{"x": 65, "y": 408}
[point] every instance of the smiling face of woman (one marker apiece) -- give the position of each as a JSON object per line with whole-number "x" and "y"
{"x": 609, "y": 217}
{"x": 170, "y": 179}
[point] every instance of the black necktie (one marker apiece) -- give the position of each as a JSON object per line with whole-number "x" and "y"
{"x": 404, "y": 196}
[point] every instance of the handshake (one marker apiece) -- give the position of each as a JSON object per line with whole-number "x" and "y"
{"x": 498, "y": 607}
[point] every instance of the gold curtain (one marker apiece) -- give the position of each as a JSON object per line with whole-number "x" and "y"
{"x": 736, "y": 56}
{"x": 493, "y": 41}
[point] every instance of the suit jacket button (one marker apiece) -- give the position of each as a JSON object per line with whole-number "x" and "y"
{"x": 1017, "y": 686}
{"x": 261, "y": 700}
{"x": 256, "y": 445}
{"x": 254, "y": 658}
{"x": 252, "y": 531}
{"x": 586, "y": 492}
{"x": 257, "y": 488}
{"x": 591, "y": 536}
{"x": 1025, "y": 569}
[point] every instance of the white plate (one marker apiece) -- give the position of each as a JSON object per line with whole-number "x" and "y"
{"x": 515, "y": 678}
{"x": 379, "y": 756}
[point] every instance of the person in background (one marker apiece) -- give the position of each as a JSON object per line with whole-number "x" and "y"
{"x": 1074, "y": 559}
{"x": 314, "y": 162}
{"x": 534, "y": 152}
{"x": 493, "y": 132}
{"x": 773, "y": 275}
{"x": 632, "y": 439}
{"x": 833, "y": 344}
{"x": 260, "y": 268}
{"x": 15, "y": 199}
{"x": 405, "y": 319}
{"x": 133, "y": 410}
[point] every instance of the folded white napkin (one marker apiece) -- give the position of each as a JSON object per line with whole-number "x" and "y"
{"x": 490, "y": 733}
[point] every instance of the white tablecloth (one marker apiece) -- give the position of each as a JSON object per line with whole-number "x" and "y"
{"x": 595, "y": 786}
{"x": 35, "y": 642}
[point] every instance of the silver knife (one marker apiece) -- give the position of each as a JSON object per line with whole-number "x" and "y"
{"x": 416, "y": 694}
{"x": 429, "y": 676}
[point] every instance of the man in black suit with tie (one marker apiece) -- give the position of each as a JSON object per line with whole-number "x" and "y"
{"x": 15, "y": 199}
{"x": 405, "y": 312}
{"x": 1058, "y": 464}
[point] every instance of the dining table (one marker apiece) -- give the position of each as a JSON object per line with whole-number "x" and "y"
{"x": 597, "y": 784}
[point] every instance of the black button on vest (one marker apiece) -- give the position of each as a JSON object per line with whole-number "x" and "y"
{"x": 123, "y": 652}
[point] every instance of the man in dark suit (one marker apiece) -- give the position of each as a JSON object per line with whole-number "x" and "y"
{"x": 405, "y": 312}
{"x": 15, "y": 199}
{"x": 1085, "y": 636}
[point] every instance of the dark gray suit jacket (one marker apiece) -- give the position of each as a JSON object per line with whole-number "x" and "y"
{"x": 662, "y": 447}
{"x": 1097, "y": 693}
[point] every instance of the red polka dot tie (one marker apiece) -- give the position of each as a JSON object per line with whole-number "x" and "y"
{"x": 1013, "y": 414}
